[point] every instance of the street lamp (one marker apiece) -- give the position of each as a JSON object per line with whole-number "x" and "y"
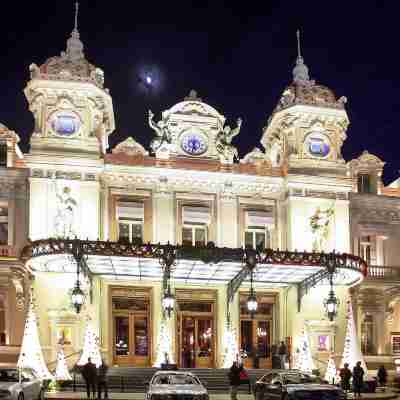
{"x": 331, "y": 303}
{"x": 252, "y": 304}
{"x": 77, "y": 297}
{"x": 168, "y": 302}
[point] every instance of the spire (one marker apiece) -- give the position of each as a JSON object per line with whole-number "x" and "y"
{"x": 74, "y": 50}
{"x": 300, "y": 71}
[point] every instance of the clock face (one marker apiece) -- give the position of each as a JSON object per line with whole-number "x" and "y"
{"x": 194, "y": 144}
{"x": 318, "y": 145}
{"x": 65, "y": 123}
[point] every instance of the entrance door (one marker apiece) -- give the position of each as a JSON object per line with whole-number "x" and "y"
{"x": 256, "y": 334}
{"x": 197, "y": 342}
{"x": 131, "y": 340}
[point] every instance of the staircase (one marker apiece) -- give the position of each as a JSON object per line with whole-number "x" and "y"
{"x": 128, "y": 379}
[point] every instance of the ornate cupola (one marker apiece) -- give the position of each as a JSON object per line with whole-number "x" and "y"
{"x": 308, "y": 126}
{"x": 73, "y": 111}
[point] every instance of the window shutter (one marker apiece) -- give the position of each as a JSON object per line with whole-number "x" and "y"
{"x": 196, "y": 215}
{"x": 259, "y": 218}
{"x": 130, "y": 210}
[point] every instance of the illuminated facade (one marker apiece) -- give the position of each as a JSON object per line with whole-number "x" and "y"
{"x": 190, "y": 188}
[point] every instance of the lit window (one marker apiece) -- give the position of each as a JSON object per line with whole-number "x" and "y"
{"x": 367, "y": 249}
{"x": 256, "y": 238}
{"x": 3, "y": 225}
{"x": 130, "y": 221}
{"x": 194, "y": 235}
{"x": 364, "y": 183}
{"x": 130, "y": 231}
{"x": 3, "y": 154}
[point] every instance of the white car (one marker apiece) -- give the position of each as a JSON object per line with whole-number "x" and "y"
{"x": 178, "y": 385}
{"x": 18, "y": 384}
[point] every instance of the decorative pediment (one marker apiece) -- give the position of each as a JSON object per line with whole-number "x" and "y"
{"x": 130, "y": 147}
{"x": 367, "y": 159}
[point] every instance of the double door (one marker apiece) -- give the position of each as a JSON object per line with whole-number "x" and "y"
{"x": 196, "y": 341}
{"x": 131, "y": 339}
{"x": 255, "y": 342}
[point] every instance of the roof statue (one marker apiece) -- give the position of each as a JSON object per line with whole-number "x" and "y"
{"x": 162, "y": 133}
{"x": 300, "y": 71}
{"x": 193, "y": 96}
{"x": 223, "y": 142}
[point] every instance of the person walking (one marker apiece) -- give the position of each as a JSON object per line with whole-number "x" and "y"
{"x": 89, "y": 373}
{"x": 345, "y": 376}
{"x": 102, "y": 380}
{"x": 382, "y": 376}
{"x": 234, "y": 379}
{"x": 358, "y": 379}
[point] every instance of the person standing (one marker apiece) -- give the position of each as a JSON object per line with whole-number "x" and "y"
{"x": 89, "y": 373}
{"x": 382, "y": 376}
{"x": 234, "y": 379}
{"x": 345, "y": 376}
{"x": 358, "y": 379}
{"x": 102, "y": 380}
{"x": 282, "y": 354}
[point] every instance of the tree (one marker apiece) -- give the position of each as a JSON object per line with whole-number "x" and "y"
{"x": 91, "y": 348}
{"x": 164, "y": 345}
{"x": 352, "y": 350}
{"x": 304, "y": 358}
{"x": 231, "y": 346}
{"x": 31, "y": 355}
{"x": 331, "y": 372}
{"x": 62, "y": 373}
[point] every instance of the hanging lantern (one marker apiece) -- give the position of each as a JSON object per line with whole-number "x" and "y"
{"x": 331, "y": 305}
{"x": 252, "y": 299}
{"x": 168, "y": 302}
{"x": 77, "y": 297}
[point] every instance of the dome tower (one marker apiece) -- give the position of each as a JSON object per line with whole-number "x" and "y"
{"x": 73, "y": 112}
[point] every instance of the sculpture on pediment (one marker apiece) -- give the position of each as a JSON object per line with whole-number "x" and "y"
{"x": 66, "y": 213}
{"x": 223, "y": 141}
{"x": 320, "y": 226}
{"x": 162, "y": 133}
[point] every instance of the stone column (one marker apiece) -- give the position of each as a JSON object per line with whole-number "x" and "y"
{"x": 227, "y": 222}
{"x": 164, "y": 217}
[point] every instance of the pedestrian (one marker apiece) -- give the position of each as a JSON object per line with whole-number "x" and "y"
{"x": 102, "y": 380}
{"x": 345, "y": 376}
{"x": 382, "y": 376}
{"x": 358, "y": 379}
{"x": 89, "y": 374}
{"x": 282, "y": 351}
{"x": 234, "y": 379}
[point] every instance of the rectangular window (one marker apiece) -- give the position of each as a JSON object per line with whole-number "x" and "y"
{"x": 256, "y": 238}
{"x": 193, "y": 235}
{"x": 367, "y": 250}
{"x": 130, "y": 221}
{"x": 364, "y": 183}
{"x": 257, "y": 231}
{"x": 396, "y": 344}
{"x": 3, "y": 225}
{"x": 3, "y": 154}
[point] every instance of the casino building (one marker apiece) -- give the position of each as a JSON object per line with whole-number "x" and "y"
{"x": 189, "y": 218}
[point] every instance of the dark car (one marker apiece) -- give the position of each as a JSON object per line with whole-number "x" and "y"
{"x": 286, "y": 385}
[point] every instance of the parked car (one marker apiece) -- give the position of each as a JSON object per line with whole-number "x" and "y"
{"x": 18, "y": 384}
{"x": 286, "y": 385}
{"x": 182, "y": 385}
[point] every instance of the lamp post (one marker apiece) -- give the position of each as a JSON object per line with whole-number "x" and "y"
{"x": 168, "y": 302}
{"x": 77, "y": 294}
{"x": 167, "y": 261}
{"x": 251, "y": 262}
{"x": 331, "y": 303}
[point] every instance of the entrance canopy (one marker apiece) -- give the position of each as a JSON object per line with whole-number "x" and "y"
{"x": 193, "y": 265}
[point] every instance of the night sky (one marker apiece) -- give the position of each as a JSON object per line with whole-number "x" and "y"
{"x": 238, "y": 58}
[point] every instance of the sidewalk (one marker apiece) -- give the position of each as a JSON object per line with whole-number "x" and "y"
{"x": 219, "y": 396}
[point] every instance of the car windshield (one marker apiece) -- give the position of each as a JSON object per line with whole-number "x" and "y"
{"x": 297, "y": 378}
{"x": 175, "y": 379}
{"x": 8, "y": 375}
{"x": 318, "y": 395}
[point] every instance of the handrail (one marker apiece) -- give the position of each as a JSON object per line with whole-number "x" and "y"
{"x": 383, "y": 272}
{"x": 66, "y": 357}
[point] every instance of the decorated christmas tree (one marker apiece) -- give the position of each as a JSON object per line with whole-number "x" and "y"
{"x": 91, "y": 348}
{"x": 62, "y": 373}
{"x": 352, "y": 350}
{"x": 231, "y": 346}
{"x": 164, "y": 345}
{"x": 31, "y": 355}
{"x": 304, "y": 358}
{"x": 330, "y": 374}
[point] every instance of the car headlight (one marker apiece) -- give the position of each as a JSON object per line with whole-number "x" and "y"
{"x": 5, "y": 393}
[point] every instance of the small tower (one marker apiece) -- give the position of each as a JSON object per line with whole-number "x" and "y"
{"x": 308, "y": 126}
{"x": 73, "y": 112}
